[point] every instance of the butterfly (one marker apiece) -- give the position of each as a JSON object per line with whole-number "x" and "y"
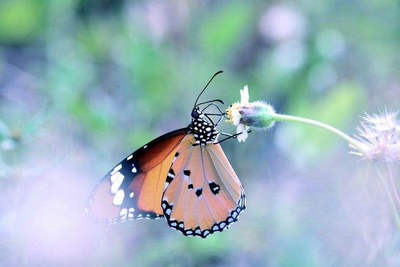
{"x": 183, "y": 176}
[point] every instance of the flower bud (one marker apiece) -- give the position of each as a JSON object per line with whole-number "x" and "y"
{"x": 250, "y": 114}
{"x": 257, "y": 114}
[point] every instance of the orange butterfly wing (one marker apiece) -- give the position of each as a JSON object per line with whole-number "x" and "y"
{"x": 203, "y": 194}
{"x": 134, "y": 187}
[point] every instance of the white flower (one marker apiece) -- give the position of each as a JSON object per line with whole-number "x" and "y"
{"x": 234, "y": 115}
{"x": 242, "y": 129}
{"x": 244, "y": 95}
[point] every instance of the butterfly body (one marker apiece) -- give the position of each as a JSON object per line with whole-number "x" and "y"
{"x": 183, "y": 176}
{"x": 203, "y": 131}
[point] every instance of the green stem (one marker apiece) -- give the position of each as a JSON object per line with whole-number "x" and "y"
{"x": 350, "y": 140}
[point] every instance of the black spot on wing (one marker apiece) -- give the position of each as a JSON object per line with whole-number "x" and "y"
{"x": 169, "y": 179}
{"x": 170, "y": 176}
{"x": 214, "y": 187}
{"x": 199, "y": 192}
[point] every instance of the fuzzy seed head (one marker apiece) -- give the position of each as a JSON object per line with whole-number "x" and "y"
{"x": 380, "y": 135}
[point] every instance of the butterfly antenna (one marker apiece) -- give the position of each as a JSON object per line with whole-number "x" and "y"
{"x": 215, "y": 74}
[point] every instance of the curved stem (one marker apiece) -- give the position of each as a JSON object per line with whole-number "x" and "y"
{"x": 352, "y": 141}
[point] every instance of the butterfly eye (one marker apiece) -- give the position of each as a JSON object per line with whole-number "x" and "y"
{"x": 195, "y": 113}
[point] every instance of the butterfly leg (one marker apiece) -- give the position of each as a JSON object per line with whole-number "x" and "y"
{"x": 215, "y": 100}
{"x": 219, "y": 119}
{"x": 212, "y": 104}
{"x": 214, "y": 114}
{"x": 211, "y": 120}
{"x": 229, "y": 136}
{"x": 221, "y": 114}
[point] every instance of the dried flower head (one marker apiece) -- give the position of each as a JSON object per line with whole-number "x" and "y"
{"x": 245, "y": 114}
{"x": 380, "y": 135}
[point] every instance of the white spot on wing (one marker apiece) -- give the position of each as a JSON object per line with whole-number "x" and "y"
{"x": 116, "y": 181}
{"x": 134, "y": 170}
{"x": 119, "y": 197}
{"x": 130, "y": 157}
{"x": 116, "y": 169}
{"x": 123, "y": 212}
{"x": 145, "y": 146}
{"x": 131, "y": 194}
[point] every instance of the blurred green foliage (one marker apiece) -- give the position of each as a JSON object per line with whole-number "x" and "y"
{"x": 21, "y": 20}
{"x": 233, "y": 21}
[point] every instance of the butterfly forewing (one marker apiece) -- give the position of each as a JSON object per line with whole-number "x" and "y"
{"x": 134, "y": 187}
{"x": 205, "y": 195}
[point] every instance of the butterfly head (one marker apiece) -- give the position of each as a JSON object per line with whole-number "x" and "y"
{"x": 196, "y": 113}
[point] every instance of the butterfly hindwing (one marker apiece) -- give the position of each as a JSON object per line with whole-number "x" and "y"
{"x": 134, "y": 187}
{"x": 205, "y": 195}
